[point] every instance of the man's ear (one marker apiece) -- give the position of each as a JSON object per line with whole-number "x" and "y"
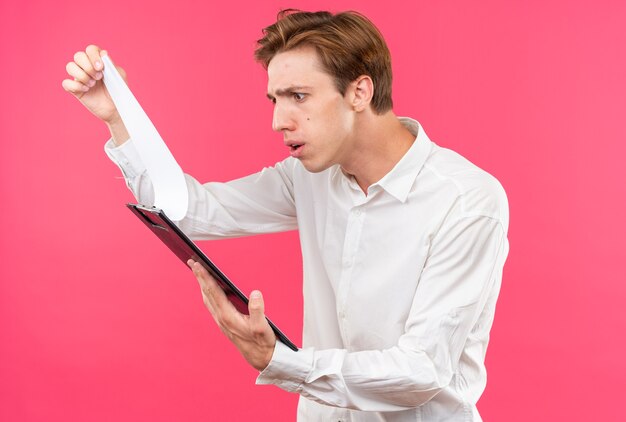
{"x": 363, "y": 92}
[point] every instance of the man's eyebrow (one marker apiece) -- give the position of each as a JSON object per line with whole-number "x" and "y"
{"x": 287, "y": 91}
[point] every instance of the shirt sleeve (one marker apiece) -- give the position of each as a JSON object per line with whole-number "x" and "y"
{"x": 259, "y": 203}
{"x": 461, "y": 274}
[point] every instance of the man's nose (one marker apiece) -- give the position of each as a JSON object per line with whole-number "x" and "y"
{"x": 281, "y": 120}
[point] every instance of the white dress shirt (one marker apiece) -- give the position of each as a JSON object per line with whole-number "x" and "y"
{"x": 400, "y": 285}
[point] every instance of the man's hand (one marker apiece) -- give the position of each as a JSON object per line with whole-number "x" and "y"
{"x": 251, "y": 334}
{"x": 87, "y": 86}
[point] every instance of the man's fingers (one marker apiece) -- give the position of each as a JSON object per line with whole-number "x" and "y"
{"x": 211, "y": 290}
{"x": 82, "y": 60}
{"x": 251, "y": 334}
{"x": 74, "y": 87}
{"x": 93, "y": 53}
{"x": 261, "y": 331}
{"x": 256, "y": 309}
{"x": 76, "y": 72}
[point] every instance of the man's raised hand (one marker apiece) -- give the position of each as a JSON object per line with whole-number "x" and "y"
{"x": 85, "y": 83}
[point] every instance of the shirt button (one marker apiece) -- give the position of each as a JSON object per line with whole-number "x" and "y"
{"x": 347, "y": 262}
{"x": 357, "y": 212}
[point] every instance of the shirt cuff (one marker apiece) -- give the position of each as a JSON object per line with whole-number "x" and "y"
{"x": 126, "y": 157}
{"x": 287, "y": 369}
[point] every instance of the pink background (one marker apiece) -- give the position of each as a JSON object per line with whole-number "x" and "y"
{"x": 98, "y": 321}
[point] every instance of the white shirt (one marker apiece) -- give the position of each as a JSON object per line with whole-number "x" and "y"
{"x": 400, "y": 285}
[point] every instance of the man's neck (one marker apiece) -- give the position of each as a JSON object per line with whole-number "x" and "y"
{"x": 380, "y": 142}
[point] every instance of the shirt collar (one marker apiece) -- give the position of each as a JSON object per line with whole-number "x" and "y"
{"x": 399, "y": 181}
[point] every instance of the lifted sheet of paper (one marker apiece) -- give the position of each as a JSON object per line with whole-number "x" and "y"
{"x": 168, "y": 180}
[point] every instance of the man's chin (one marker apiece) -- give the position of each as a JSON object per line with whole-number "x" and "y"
{"x": 312, "y": 167}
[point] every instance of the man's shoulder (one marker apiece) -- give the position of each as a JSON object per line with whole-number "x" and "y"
{"x": 479, "y": 192}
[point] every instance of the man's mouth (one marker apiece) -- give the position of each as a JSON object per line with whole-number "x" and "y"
{"x": 295, "y": 149}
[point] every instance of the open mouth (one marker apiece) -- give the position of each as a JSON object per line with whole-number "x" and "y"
{"x": 295, "y": 147}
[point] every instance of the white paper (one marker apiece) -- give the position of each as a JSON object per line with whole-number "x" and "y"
{"x": 168, "y": 180}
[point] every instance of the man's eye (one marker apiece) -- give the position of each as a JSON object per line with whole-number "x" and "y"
{"x": 298, "y": 96}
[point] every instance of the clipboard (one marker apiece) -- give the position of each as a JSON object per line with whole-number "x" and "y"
{"x": 184, "y": 248}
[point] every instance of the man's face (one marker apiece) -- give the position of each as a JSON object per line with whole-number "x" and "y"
{"x": 317, "y": 122}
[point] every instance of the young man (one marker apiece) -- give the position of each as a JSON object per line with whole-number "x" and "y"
{"x": 403, "y": 242}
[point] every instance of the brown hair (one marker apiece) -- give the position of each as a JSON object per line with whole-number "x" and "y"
{"x": 348, "y": 46}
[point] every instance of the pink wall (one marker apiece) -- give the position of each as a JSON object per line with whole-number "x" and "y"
{"x": 99, "y": 322}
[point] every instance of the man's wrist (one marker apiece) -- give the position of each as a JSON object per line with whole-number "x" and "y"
{"x": 119, "y": 134}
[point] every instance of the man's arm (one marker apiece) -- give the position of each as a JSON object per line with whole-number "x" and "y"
{"x": 259, "y": 203}
{"x": 250, "y": 206}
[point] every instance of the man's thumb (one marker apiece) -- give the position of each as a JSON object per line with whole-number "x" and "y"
{"x": 256, "y": 308}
